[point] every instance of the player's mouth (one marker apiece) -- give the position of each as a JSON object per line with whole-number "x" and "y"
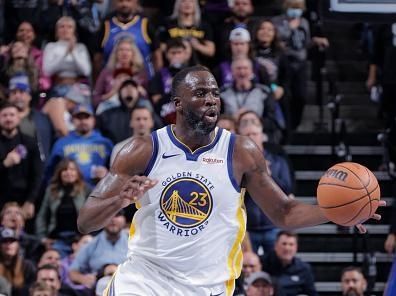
{"x": 211, "y": 115}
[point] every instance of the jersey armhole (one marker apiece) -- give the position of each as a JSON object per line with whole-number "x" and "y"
{"x": 154, "y": 138}
{"x": 230, "y": 154}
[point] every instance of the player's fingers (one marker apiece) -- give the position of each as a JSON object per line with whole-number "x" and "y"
{"x": 376, "y": 217}
{"x": 382, "y": 203}
{"x": 361, "y": 228}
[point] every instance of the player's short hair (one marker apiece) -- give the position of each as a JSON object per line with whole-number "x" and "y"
{"x": 352, "y": 268}
{"x": 49, "y": 267}
{"x": 7, "y": 104}
{"x": 181, "y": 76}
{"x": 286, "y": 233}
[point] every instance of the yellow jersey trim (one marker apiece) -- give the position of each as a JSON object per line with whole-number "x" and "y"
{"x": 144, "y": 28}
{"x": 192, "y": 152}
{"x": 234, "y": 261}
{"x": 123, "y": 26}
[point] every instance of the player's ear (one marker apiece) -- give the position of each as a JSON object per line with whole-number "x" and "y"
{"x": 177, "y": 101}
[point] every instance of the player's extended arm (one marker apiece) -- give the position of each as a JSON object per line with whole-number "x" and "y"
{"x": 284, "y": 212}
{"x": 123, "y": 185}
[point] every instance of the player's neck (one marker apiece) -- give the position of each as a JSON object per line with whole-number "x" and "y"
{"x": 191, "y": 138}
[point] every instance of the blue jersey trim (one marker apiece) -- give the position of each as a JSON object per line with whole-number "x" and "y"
{"x": 230, "y": 154}
{"x": 193, "y": 155}
{"x": 151, "y": 163}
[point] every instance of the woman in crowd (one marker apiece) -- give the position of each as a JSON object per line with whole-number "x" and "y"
{"x": 125, "y": 58}
{"x": 19, "y": 272}
{"x": 27, "y": 35}
{"x": 67, "y": 61}
{"x": 186, "y": 23}
{"x": 18, "y": 61}
{"x": 62, "y": 201}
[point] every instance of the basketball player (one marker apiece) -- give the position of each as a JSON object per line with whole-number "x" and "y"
{"x": 188, "y": 181}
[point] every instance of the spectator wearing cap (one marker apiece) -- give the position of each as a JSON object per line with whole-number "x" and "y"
{"x": 114, "y": 123}
{"x": 259, "y": 284}
{"x": 160, "y": 85}
{"x": 66, "y": 61}
{"x": 239, "y": 47}
{"x": 59, "y": 109}
{"x": 86, "y": 146}
{"x": 293, "y": 276}
{"x": 241, "y": 17}
{"x": 56, "y": 221}
{"x": 109, "y": 246}
{"x": 20, "y": 164}
{"x": 126, "y": 59}
{"x": 18, "y": 271}
{"x": 34, "y": 123}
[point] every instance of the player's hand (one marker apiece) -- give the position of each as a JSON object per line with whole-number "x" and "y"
{"x": 361, "y": 227}
{"x": 135, "y": 188}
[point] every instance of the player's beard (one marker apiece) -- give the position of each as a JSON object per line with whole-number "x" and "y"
{"x": 351, "y": 292}
{"x": 198, "y": 123}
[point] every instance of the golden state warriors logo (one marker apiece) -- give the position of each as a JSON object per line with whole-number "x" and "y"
{"x": 186, "y": 202}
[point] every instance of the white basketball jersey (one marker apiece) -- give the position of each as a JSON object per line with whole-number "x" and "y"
{"x": 191, "y": 224}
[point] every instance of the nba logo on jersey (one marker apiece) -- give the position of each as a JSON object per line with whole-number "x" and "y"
{"x": 186, "y": 203}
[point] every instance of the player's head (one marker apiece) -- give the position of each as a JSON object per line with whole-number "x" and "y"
{"x": 196, "y": 96}
{"x": 353, "y": 282}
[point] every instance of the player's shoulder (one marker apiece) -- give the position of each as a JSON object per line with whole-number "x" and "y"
{"x": 134, "y": 155}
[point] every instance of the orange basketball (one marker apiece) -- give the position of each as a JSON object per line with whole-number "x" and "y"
{"x": 348, "y": 193}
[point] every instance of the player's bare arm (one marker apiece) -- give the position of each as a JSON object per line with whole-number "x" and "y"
{"x": 283, "y": 211}
{"x": 123, "y": 185}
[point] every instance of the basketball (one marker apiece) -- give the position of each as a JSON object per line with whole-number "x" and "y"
{"x": 348, "y": 193}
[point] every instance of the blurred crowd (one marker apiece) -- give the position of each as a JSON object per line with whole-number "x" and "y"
{"x": 78, "y": 78}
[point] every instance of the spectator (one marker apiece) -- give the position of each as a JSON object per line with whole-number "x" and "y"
{"x": 115, "y": 123}
{"x": 104, "y": 278}
{"x": 12, "y": 216}
{"x": 227, "y": 122}
{"x": 49, "y": 274}
{"x": 124, "y": 58}
{"x": 126, "y": 20}
{"x": 353, "y": 282}
{"x": 270, "y": 55}
{"x": 59, "y": 109}
{"x": 50, "y": 256}
{"x": 109, "y": 246}
{"x": 34, "y": 123}
{"x": 21, "y": 166}
{"x": 18, "y": 271}
{"x": 239, "y": 43}
{"x": 17, "y": 62}
{"x": 66, "y": 61}
{"x": 251, "y": 264}
{"x": 17, "y": 12}
{"x": 186, "y": 23}
{"x": 141, "y": 124}
{"x": 244, "y": 94}
{"x": 86, "y": 146}
{"x": 41, "y": 289}
{"x": 241, "y": 17}
{"x": 79, "y": 241}
{"x": 261, "y": 230}
{"x": 160, "y": 86}
{"x": 56, "y": 222}
{"x": 26, "y": 34}
{"x": 293, "y": 276}
{"x": 259, "y": 284}
{"x": 295, "y": 35}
